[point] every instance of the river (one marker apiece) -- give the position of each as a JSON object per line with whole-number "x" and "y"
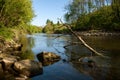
{"x": 68, "y": 67}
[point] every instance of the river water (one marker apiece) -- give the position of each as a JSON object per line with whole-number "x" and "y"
{"x": 69, "y": 68}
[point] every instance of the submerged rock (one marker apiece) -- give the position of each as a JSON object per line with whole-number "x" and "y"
{"x": 95, "y": 61}
{"x": 28, "y": 68}
{"x": 88, "y": 61}
{"x": 48, "y": 58}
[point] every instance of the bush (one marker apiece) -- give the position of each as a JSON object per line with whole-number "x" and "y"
{"x": 6, "y": 33}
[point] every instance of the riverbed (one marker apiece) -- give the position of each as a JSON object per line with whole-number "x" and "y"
{"x": 70, "y": 50}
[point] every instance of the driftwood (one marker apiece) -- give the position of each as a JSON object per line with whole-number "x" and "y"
{"x": 80, "y": 39}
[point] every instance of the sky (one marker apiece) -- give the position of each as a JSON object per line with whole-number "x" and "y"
{"x": 48, "y": 9}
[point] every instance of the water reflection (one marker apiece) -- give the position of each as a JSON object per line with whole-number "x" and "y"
{"x": 107, "y": 69}
{"x": 26, "y": 49}
{"x": 68, "y": 68}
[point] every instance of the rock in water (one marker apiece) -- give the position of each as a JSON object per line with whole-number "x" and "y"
{"x": 87, "y": 61}
{"x": 28, "y": 68}
{"x": 48, "y": 58}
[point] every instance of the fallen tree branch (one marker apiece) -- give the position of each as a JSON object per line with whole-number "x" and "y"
{"x": 80, "y": 39}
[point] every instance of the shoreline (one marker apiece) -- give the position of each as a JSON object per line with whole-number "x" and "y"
{"x": 97, "y": 33}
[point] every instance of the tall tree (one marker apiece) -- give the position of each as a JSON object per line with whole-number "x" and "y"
{"x": 116, "y": 8}
{"x": 78, "y": 8}
{"x": 15, "y": 12}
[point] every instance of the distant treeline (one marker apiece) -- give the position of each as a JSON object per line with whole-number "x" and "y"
{"x": 51, "y": 27}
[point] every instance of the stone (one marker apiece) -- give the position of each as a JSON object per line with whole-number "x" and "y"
{"x": 9, "y": 49}
{"x": 16, "y": 52}
{"x": 22, "y": 77}
{"x": 4, "y": 55}
{"x": 87, "y": 61}
{"x": 1, "y": 69}
{"x": 48, "y": 57}
{"x": 18, "y": 47}
{"x": 0, "y": 51}
{"x": 8, "y": 62}
{"x": 84, "y": 59}
{"x": 28, "y": 68}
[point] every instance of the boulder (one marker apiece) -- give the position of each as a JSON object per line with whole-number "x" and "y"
{"x": 8, "y": 62}
{"x": 48, "y": 57}
{"x": 4, "y": 55}
{"x": 28, "y": 68}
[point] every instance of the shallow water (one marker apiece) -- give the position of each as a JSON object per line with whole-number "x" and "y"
{"x": 68, "y": 68}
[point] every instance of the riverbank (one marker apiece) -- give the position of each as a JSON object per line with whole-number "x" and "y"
{"x": 11, "y": 54}
{"x": 97, "y": 33}
{"x": 9, "y": 51}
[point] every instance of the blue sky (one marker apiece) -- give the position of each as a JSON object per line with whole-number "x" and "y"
{"x": 48, "y": 9}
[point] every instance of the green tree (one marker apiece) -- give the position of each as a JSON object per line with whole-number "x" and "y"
{"x": 15, "y": 12}
{"x": 78, "y": 8}
{"x": 49, "y": 27}
{"x": 116, "y": 8}
{"x": 93, "y": 14}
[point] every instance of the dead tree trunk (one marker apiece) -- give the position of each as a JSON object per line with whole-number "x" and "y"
{"x": 83, "y": 42}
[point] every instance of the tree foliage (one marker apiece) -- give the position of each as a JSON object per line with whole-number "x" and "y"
{"x": 15, "y": 12}
{"x": 94, "y": 14}
{"x": 51, "y": 27}
{"x": 15, "y": 16}
{"x": 48, "y": 27}
{"x": 116, "y": 8}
